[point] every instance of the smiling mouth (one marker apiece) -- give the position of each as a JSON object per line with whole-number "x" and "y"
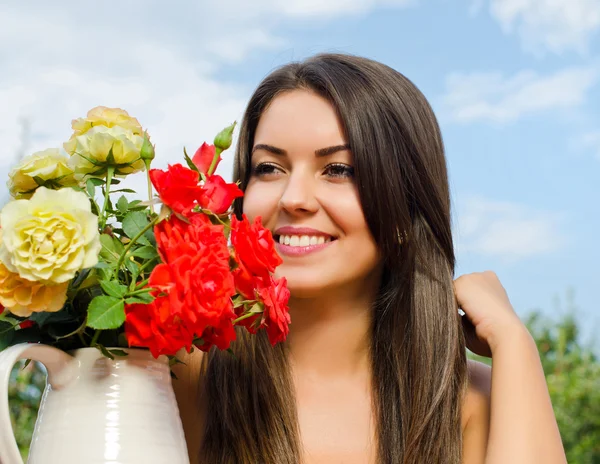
{"x": 303, "y": 241}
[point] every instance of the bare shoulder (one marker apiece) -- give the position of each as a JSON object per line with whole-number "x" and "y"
{"x": 188, "y": 392}
{"x": 476, "y": 413}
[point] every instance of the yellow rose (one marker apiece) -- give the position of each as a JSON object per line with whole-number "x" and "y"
{"x": 49, "y": 237}
{"x": 23, "y": 297}
{"x": 89, "y": 152}
{"x": 108, "y": 117}
{"x": 49, "y": 166}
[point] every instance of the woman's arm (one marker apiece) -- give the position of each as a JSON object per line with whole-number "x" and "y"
{"x": 522, "y": 426}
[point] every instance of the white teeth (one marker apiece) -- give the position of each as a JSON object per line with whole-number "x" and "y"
{"x": 303, "y": 240}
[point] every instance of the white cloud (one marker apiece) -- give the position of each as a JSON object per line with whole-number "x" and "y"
{"x": 309, "y": 9}
{"x": 164, "y": 64}
{"x": 504, "y": 230}
{"x": 498, "y": 98}
{"x": 554, "y": 25}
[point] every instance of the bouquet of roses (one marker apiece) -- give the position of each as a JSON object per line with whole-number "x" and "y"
{"x": 76, "y": 272}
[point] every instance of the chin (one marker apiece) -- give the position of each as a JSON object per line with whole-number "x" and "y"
{"x": 305, "y": 284}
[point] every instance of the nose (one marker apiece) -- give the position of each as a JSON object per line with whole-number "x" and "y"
{"x": 299, "y": 194}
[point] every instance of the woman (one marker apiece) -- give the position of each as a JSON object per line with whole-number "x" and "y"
{"x": 343, "y": 159}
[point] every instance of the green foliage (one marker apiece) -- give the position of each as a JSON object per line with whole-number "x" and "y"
{"x": 573, "y": 376}
{"x": 25, "y": 391}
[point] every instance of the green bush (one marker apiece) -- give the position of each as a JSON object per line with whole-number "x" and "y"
{"x": 25, "y": 392}
{"x": 573, "y": 376}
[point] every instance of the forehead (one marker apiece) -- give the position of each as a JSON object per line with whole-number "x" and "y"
{"x": 299, "y": 119}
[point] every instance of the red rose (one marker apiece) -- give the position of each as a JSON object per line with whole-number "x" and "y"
{"x": 196, "y": 273}
{"x": 246, "y": 282}
{"x": 204, "y": 156}
{"x": 175, "y": 237}
{"x": 153, "y": 326}
{"x": 276, "y": 317}
{"x": 254, "y": 247}
{"x": 220, "y": 336}
{"x": 218, "y": 195}
{"x": 205, "y": 285}
{"x": 178, "y": 187}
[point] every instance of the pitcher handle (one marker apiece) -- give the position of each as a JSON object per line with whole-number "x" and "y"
{"x": 55, "y": 361}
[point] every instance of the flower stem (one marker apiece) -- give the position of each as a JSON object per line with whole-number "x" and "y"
{"x": 95, "y": 338}
{"x": 142, "y": 283}
{"x": 213, "y": 163}
{"x": 245, "y": 316}
{"x": 134, "y": 240}
{"x": 217, "y": 217}
{"x": 109, "y": 176}
{"x": 149, "y": 185}
{"x": 139, "y": 292}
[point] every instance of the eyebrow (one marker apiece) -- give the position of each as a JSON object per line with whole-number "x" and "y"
{"x": 319, "y": 153}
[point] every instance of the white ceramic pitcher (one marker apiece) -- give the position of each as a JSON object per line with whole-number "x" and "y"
{"x": 97, "y": 411}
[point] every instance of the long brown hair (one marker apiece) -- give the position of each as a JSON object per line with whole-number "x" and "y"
{"x": 417, "y": 345}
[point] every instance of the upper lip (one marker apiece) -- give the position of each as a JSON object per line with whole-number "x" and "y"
{"x": 290, "y": 230}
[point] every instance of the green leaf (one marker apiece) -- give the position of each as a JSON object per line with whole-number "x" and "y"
{"x": 174, "y": 360}
{"x": 7, "y": 334}
{"x": 106, "y": 312}
{"x": 91, "y": 187}
{"x": 119, "y": 353}
{"x": 104, "y": 351}
{"x": 113, "y": 289}
{"x": 134, "y": 222}
{"x": 109, "y": 252}
{"x": 122, "y": 204}
{"x": 39, "y": 181}
{"x": 97, "y": 182}
{"x": 110, "y": 158}
{"x": 60, "y": 317}
{"x": 40, "y": 318}
{"x": 81, "y": 276}
{"x": 146, "y": 252}
{"x": 189, "y": 161}
{"x": 101, "y": 265}
{"x": 142, "y": 298}
{"x": 257, "y": 308}
{"x": 125, "y": 190}
{"x": 133, "y": 268}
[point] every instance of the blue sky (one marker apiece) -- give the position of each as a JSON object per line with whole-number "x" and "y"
{"x": 515, "y": 85}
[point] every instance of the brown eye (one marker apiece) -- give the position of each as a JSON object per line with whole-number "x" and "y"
{"x": 264, "y": 169}
{"x": 339, "y": 170}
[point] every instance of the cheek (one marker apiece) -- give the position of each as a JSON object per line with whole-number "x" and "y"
{"x": 344, "y": 208}
{"x": 261, "y": 199}
{"x": 346, "y": 211}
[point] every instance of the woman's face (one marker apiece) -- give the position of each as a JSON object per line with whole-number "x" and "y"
{"x": 302, "y": 185}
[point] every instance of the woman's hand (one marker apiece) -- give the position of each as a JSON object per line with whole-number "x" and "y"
{"x": 489, "y": 316}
